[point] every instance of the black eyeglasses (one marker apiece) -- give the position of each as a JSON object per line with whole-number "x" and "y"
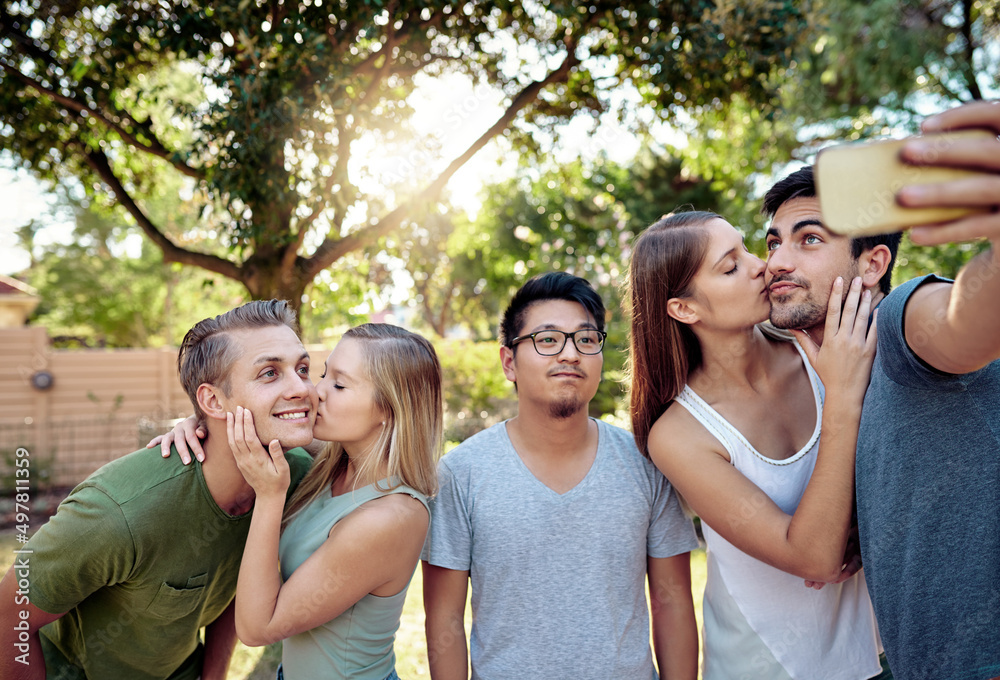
{"x": 551, "y": 342}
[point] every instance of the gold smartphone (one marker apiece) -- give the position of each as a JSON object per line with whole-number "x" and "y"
{"x": 857, "y": 183}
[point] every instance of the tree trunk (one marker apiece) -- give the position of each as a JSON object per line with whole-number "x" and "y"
{"x": 268, "y": 278}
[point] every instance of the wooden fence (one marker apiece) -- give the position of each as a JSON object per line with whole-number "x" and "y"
{"x": 94, "y": 410}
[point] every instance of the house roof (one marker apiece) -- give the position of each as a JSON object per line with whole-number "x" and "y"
{"x": 11, "y": 286}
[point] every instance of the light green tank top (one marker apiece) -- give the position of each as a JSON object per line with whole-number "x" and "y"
{"x": 358, "y": 643}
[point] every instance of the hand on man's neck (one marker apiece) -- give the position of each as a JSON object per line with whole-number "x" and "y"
{"x": 225, "y": 481}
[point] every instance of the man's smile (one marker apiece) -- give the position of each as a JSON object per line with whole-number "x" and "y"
{"x": 299, "y": 414}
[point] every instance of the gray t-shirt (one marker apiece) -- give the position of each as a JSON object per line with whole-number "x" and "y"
{"x": 558, "y": 581}
{"x": 928, "y": 485}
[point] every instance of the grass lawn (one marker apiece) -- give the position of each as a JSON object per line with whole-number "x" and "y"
{"x": 411, "y": 650}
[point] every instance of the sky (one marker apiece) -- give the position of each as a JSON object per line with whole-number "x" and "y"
{"x": 24, "y": 199}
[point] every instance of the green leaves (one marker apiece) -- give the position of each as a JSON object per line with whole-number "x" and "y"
{"x": 258, "y": 101}
{"x": 272, "y": 110}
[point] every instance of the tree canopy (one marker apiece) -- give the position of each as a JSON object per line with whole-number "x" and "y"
{"x": 251, "y": 138}
{"x": 109, "y": 287}
{"x": 261, "y": 105}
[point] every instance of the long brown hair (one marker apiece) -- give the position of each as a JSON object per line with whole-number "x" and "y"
{"x": 406, "y": 378}
{"x": 662, "y": 351}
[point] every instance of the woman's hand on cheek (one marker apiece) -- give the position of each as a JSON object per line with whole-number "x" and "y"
{"x": 844, "y": 362}
{"x": 266, "y": 470}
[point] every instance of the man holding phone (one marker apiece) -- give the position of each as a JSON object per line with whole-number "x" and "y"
{"x": 928, "y": 462}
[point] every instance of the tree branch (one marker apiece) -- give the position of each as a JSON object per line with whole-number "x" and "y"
{"x": 26, "y": 43}
{"x": 434, "y": 320}
{"x": 386, "y": 51}
{"x": 441, "y": 320}
{"x": 291, "y": 254}
{"x": 332, "y": 249}
{"x": 338, "y": 176}
{"x": 76, "y": 107}
{"x": 171, "y": 251}
{"x": 970, "y": 47}
{"x": 334, "y": 36}
{"x": 31, "y": 48}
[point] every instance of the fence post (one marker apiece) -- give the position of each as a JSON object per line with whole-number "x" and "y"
{"x": 42, "y": 399}
{"x": 166, "y": 378}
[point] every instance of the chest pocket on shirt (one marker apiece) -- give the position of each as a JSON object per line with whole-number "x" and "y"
{"x": 172, "y": 603}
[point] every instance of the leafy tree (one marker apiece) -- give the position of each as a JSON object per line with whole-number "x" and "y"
{"x": 878, "y": 67}
{"x": 338, "y": 299}
{"x": 874, "y": 64}
{"x": 97, "y": 292}
{"x": 580, "y": 217}
{"x": 913, "y": 261}
{"x": 863, "y": 69}
{"x": 92, "y": 299}
{"x": 450, "y": 287}
{"x": 263, "y": 106}
{"x": 476, "y": 392}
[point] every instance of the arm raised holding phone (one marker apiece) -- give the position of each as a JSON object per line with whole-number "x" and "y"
{"x": 956, "y": 327}
{"x": 980, "y": 192}
{"x": 927, "y": 445}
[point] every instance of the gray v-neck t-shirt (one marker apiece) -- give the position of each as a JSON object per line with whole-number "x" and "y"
{"x": 558, "y": 580}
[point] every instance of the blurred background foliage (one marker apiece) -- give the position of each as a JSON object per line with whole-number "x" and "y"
{"x": 208, "y": 153}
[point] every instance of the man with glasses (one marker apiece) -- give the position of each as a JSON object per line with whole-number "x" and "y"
{"x": 557, "y": 521}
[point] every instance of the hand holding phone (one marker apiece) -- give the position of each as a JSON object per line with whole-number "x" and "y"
{"x": 857, "y": 183}
{"x": 981, "y": 191}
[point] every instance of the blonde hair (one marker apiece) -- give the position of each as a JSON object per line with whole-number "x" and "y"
{"x": 406, "y": 380}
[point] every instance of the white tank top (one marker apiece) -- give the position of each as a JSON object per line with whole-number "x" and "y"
{"x": 760, "y": 622}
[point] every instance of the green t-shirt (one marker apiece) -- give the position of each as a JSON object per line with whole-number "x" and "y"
{"x": 140, "y": 557}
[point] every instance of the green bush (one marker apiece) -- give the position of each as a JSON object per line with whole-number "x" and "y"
{"x": 476, "y": 393}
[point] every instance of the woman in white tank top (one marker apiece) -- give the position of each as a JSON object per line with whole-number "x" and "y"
{"x": 731, "y": 411}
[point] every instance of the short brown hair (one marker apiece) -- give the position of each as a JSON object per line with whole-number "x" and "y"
{"x": 802, "y": 184}
{"x": 207, "y": 351}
